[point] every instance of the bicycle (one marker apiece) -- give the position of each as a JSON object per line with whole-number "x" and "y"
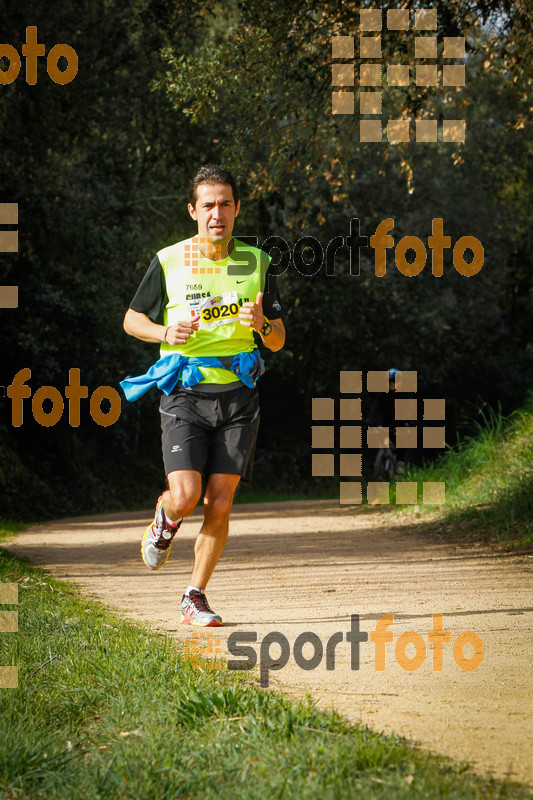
{"x": 385, "y": 463}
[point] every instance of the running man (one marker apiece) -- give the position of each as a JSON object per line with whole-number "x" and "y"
{"x": 213, "y": 292}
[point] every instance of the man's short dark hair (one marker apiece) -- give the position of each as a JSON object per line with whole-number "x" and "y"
{"x": 210, "y": 173}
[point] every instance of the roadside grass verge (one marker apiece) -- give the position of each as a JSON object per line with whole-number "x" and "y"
{"x": 261, "y": 492}
{"x": 258, "y": 495}
{"x": 108, "y": 709}
{"x": 9, "y": 527}
{"x": 489, "y": 479}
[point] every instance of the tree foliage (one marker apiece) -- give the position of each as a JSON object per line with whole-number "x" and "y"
{"x": 269, "y": 68}
{"x": 100, "y": 167}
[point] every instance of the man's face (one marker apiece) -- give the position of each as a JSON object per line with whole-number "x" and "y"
{"x": 215, "y": 212}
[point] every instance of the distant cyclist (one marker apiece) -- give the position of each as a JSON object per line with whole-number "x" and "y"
{"x": 383, "y": 412}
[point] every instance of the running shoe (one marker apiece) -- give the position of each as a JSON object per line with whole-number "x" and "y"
{"x": 157, "y": 538}
{"x": 195, "y": 610}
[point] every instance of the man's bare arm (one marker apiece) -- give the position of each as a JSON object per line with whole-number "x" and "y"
{"x": 251, "y": 315}
{"x": 276, "y": 338}
{"x": 141, "y": 326}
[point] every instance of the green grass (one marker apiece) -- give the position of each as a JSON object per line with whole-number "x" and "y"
{"x": 489, "y": 478}
{"x": 108, "y": 709}
{"x": 8, "y": 527}
{"x": 256, "y": 495}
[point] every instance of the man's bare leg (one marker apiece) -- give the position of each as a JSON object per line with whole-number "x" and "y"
{"x": 185, "y": 488}
{"x": 183, "y": 494}
{"x": 180, "y": 501}
{"x": 211, "y": 540}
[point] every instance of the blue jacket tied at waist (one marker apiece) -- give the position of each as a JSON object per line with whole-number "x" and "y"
{"x": 166, "y": 372}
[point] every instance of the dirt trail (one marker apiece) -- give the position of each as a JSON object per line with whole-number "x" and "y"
{"x": 295, "y": 567}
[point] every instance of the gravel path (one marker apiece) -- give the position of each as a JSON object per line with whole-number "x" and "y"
{"x": 308, "y": 567}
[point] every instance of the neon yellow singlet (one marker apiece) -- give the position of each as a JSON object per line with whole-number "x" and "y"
{"x": 202, "y": 286}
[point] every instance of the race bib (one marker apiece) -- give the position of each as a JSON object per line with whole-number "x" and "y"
{"x": 218, "y": 310}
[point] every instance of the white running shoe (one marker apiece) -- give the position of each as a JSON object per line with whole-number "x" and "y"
{"x": 157, "y": 538}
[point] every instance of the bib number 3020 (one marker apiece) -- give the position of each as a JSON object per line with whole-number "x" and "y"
{"x": 219, "y": 310}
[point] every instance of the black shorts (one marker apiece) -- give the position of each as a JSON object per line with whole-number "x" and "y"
{"x": 210, "y": 433}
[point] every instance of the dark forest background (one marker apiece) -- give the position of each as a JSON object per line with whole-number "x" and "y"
{"x": 100, "y": 169}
